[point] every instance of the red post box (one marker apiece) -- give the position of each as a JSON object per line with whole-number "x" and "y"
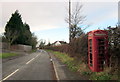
{"x": 97, "y": 50}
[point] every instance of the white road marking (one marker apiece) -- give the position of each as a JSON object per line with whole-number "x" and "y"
{"x": 10, "y": 75}
{"x": 17, "y": 70}
{"x": 56, "y": 74}
{"x": 37, "y": 56}
{"x": 30, "y": 60}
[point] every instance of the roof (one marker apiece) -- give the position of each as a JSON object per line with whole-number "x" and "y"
{"x": 94, "y": 31}
{"x": 62, "y": 42}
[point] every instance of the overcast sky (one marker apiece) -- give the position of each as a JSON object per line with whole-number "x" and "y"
{"x": 46, "y": 19}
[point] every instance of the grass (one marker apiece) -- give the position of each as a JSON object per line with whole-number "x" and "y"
{"x": 32, "y": 51}
{"x": 100, "y": 76}
{"x": 82, "y": 68}
{"x": 69, "y": 61}
{"x": 72, "y": 63}
{"x": 6, "y": 55}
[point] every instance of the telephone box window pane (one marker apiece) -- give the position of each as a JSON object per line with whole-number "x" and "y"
{"x": 101, "y": 50}
{"x": 101, "y": 67}
{"x": 101, "y": 55}
{"x": 90, "y": 52}
{"x": 90, "y": 41}
{"x": 101, "y": 40}
{"x": 102, "y": 62}
{"x": 90, "y": 56}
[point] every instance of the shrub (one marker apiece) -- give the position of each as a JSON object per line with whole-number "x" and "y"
{"x": 77, "y": 48}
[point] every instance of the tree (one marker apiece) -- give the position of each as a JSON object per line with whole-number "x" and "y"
{"x": 27, "y": 34}
{"x": 76, "y": 32}
{"x": 18, "y": 33}
{"x": 2, "y": 38}
{"x": 49, "y": 44}
{"x": 13, "y": 28}
{"x": 33, "y": 42}
{"x": 42, "y": 44}
{"x": 75, "y": 19}
{"x": 114, "y": 45}
{"x": 78, "y": 47}
{"x": 25, "y": 37}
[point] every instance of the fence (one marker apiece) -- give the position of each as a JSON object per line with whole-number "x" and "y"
{"x": 19, "y": 47}
{"x": 4, "y": 45}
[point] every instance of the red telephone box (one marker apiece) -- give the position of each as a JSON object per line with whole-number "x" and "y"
{"x": 97, "y": 50}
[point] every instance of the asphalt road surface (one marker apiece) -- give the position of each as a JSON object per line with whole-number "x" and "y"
{"x": 35, "y": 66}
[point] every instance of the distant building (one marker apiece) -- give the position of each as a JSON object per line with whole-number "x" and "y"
{"x": 58, "y": 43}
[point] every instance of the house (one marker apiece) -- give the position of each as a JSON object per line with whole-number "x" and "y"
{"x": 58, "y": 43}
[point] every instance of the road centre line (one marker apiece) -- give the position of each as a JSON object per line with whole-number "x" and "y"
{"x": 30, "y": 60}
{"x": 10, "y": 75}
{"x": 16, "y": 70}
{"x": 36, "y": 56}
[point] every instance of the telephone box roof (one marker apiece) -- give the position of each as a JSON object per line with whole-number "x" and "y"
{"x": 97, "y": 31}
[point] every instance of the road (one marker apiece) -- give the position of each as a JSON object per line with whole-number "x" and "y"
{"x": 35, "y": 66}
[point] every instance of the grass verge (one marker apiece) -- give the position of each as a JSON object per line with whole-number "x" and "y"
{"x": 6, "y": 55}
{"x": 82, "y": 68}
{"x": 32, "y": 51}
{"x": 69, "y": 61}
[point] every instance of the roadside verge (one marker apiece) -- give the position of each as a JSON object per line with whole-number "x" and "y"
{"x": 62, "y": 71}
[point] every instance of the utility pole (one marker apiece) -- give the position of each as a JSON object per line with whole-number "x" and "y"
{"x": 69, "y": 21}
{"x": 119, "y": 13}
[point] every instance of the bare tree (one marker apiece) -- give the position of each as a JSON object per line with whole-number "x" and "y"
{"x": 75, "y": 19}
{"x": 11, "y": 36}
{"x": 42, "y": 44}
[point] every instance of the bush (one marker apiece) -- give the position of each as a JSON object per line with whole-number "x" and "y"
{"x": 77, "y": 48}
{"x": 100, "y": 76}
{"x": 114, "y": 48}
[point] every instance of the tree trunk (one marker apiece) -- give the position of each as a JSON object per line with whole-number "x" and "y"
{"x": 9, "y": 45}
